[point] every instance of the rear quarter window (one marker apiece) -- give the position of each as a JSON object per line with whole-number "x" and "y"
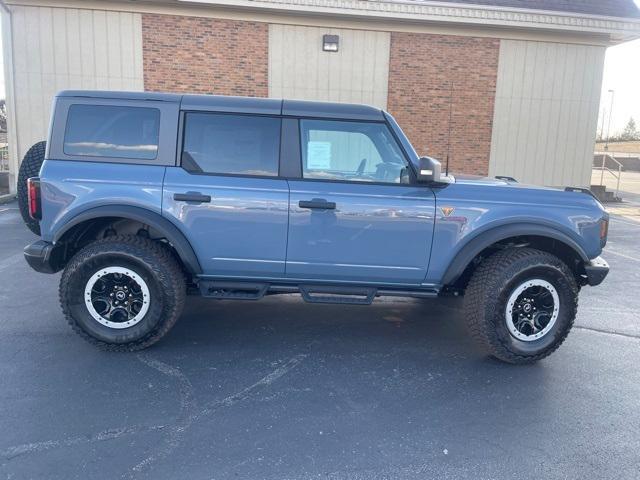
{"x": 112, "y": 131}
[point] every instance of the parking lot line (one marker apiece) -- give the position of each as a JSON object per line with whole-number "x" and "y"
{"x": 629, "y": 257}
{"x": 625, "y": 221}
{"x": 10, "y": 261}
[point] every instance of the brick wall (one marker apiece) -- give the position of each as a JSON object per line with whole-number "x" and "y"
{"x": 422, "y": 67}
{"x": 229, "y": 57}
{"x": 205, "y": 55}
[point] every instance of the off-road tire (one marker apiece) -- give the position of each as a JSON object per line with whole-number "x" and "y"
{"x": 30, "y": 167}
{"x": 488, "y": 292}
{"x": 157, "y": 267}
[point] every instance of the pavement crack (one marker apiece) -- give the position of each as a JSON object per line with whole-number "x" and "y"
{"x": 188, "y": 414}
{"x": 243, "y": 394}
{"x": 109, "y": 434}
{"x": 176, "y": 430}
{"x": 185, "y": 418}
{"x": 607, "y": 332}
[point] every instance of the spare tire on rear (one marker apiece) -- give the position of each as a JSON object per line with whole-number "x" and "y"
{"x": 30, "y": 167}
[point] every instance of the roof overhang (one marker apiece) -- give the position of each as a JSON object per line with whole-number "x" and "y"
{"x": 617, "y": 29}
{"x": 603, "y": 30}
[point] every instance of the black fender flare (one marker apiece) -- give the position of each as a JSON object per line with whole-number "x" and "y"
{"x": 155, "y": 220}
{"x": 487, "y": 238}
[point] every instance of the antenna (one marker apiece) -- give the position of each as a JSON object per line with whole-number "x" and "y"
{"x": 446, "y": 168}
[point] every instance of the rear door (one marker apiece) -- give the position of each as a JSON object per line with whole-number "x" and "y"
{"x": 226, "y": 195}
{"x": 355, "y": 216}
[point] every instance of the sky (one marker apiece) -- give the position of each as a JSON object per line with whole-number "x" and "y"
{"x": 621, "y": 74}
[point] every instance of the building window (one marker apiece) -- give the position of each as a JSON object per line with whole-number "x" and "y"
{"x": 351, "y": 151}
{"x": 231, "y": 144}
{"x": 109, "y": 131}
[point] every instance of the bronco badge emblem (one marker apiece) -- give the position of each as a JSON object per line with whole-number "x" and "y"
{"x": 446, "y": 211}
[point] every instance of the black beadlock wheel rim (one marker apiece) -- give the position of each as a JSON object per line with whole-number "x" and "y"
{"x": 117, "y": 297}
{"x": 532, "y": 310}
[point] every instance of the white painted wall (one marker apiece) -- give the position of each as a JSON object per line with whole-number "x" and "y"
{"x": 67, "y": 48}
{"x": 546, "y": 111}
{"x": 357, "y": 73}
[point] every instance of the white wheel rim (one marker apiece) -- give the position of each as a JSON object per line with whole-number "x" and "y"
{"x": 526, "y": 320}
{"x": 123, "y": 300}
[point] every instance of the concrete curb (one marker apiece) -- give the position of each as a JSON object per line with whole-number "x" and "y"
{"x": 6, "y": 198}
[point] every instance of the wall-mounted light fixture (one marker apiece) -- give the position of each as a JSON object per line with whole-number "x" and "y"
{"x": 330, "y": 43}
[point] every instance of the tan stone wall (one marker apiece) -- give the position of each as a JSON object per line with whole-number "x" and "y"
{"x": 205, "y": 55}
{"x": 422, "y": 68}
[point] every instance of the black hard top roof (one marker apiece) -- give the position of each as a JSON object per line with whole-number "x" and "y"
{"x": 107, "y": 94}
{"x": 221, "y": 103}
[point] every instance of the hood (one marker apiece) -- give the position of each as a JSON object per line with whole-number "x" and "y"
{"x": 523, "y": 192}
{"x": 479, "y": 180}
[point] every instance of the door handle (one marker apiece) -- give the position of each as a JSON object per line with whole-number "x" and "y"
{"x": 319, "y": 203}
{"x": 192, "y": 197}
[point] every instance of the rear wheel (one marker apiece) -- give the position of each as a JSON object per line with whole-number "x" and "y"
{"x": 122, "y": 293}
{"x": 30, "y": 167}
{"x": 520, "y": 304}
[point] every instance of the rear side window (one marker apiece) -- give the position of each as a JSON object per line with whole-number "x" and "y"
{"x": 112, "y": 131}
{"x": 231, "y": 144}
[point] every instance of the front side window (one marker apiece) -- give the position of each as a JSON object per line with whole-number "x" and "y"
{"x": 112, "y": 131}
{"x": 351, "y": 151}
{"x": 231, "y": 144}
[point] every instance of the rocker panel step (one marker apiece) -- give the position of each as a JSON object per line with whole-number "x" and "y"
{"x": 233, "y": 290}
{"x": 223, "y": 289}
{"x": 342, "y": 295}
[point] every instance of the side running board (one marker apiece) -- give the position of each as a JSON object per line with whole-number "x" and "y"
{"x": 233, "y": 290}
{"x": 343, "y": 295}
{"x": 340, "y": 294}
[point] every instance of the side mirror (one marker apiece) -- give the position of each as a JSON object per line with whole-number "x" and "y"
{"x": 429, "y": 170}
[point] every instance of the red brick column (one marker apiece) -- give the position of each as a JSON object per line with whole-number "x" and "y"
{"x": 205, "y": 55}
{"x": 421, "y": 69}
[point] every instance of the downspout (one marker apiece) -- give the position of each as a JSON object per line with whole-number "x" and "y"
{"x": 12, "y": 134}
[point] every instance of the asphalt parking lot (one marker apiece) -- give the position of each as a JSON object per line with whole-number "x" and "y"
{"x": 280, "y": 389}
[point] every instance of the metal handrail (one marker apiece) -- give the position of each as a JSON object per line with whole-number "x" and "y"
{"x": 618, "y": 154}
{"x": 603, "y": 168}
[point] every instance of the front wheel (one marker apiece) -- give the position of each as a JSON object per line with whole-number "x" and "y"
{"x": 122, "y": 293}
{"x": 520, "y": 304}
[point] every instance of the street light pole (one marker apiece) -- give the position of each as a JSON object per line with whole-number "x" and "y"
{"x": 604, "y": 116}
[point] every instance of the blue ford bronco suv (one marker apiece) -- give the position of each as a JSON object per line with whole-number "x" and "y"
{"x": 143, "y": 198}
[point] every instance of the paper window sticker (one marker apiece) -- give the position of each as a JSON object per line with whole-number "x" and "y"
{"x": 318, "y": 155}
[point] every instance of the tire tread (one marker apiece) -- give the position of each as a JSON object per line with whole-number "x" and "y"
{"x": 488, "y": 279}
{"x": 29, "y": 167}
{"x": 163, "y": 265}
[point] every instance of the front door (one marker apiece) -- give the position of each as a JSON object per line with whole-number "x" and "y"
{"x": 226, "y": 196}
{"x": 354, "y": 216}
